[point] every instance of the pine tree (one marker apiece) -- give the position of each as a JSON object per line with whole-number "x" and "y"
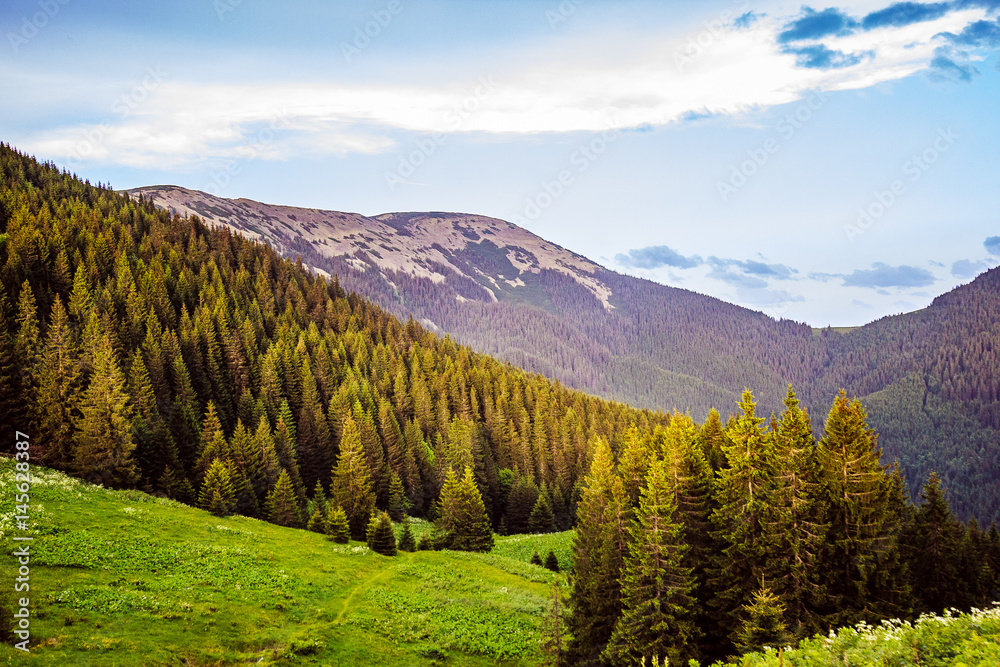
{"x": 406, "y": 540}
{"x": 551, "y": 562}
{"x": 282, "y": 504}
{"x": 934, "y": 545}
{"x": 398, "y": 503}
{"x": 862, "y": 506}
{"x": 380, "y": 535}
{"x": 58, "y": 395}
{"x": 520, "y": 503}
{"x": 351, "y": 486}
{"x": 799, "y": 524}
{"x": 104, "y": 442}
{"x": 744, "y": 516}
{"x": 464, "y": 521}
{"x": 217, "y": 492}
{"x": 657, "y": 606}
{"x": 598, "y": 550}
{"x": 763, "y": 623}
{"x": 536, "y": 559}
{"x": 554, "y": 637}
{"x": 337, "y": 527}
{"x": 541, "y": 519}
{"x": 317, "y": 521}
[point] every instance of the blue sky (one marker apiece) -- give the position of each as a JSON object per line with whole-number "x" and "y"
{"x": 828, "y": 164}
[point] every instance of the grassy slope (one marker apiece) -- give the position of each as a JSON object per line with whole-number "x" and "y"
{"x": 120, "y": 577}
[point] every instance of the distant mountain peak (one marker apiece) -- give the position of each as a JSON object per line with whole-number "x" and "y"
{"x": 488, "y": 251}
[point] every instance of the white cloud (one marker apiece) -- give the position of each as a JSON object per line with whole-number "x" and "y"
{"x": 580, "y": 87}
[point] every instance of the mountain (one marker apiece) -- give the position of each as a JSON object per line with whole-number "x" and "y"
{"x": 931, "y": 379}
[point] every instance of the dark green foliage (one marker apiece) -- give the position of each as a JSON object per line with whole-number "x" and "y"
{"x": 934, "y": 543}
{"x": 541, "y": 519}
{"x": 406, "y": 540}
{"x": 217, "y": 491}
{"x": 380, "y": 536}
{"x": 520, "y": 503}
{"x": 398, "y": 503}
{"x": 425, "y": 543}
{"x": 551, "y": 562}
{"x": 337, "y": 527}
{"x": 536, "y": 559}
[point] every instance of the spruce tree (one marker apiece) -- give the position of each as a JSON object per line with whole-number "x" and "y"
{"x": 104, "y": 444}
{"x": 551, "y": 562}
{"x": 598, "y": 549}
{"x": 59, "y": 390}
{"x": 536, "y": 559}
{"x": 282, "y": 504}
{"x": 541, "y": 519}
{"x": 744, "y": 516}
{"x": 800, "y": 522}
{"x": 217, "y": 492}
{"x": 464, "y": 522}
{"x": 406, "y": 540}
{"x": 398, "y": 503}
{"x": 317, "y": 521}
{"x": 351, "y": 486}
{"x": 763, "y": 623}
{"x": 380, "y": 535}
{"x": 862, "y": 506}
{"x": 657, "y": 607}
{"x": 934, "y": 545}
{"x": 337, "y": 527}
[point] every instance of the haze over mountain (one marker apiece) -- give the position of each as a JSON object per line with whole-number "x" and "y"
{"x": 931, "y": 379}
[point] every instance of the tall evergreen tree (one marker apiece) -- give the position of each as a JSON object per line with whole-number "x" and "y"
{"x": 380, "y": 536}
{"x": 744, "y": 515}
{"x": 657, "y": 606}
{"x": 217, "y": 492}
{"x": 596, "y": 595}
{"x": 282, "y": 504}
{"x": 58, "y": 395}
{"x": 464, "y": 521}
{"x": 933, "y": 546}
{"x": 861, "y": 506}
{"x": 351, "y": 486}
{"x": 104, "y": 444}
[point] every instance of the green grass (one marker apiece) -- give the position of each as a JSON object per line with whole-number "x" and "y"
{"x": 123, "y": 578}
{"x": 520, "y": 547}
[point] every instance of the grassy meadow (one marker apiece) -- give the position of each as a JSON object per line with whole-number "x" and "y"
{"x": 124, "y": 578}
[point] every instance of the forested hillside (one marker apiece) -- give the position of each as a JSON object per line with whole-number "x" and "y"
{"x": 930, "y": 379}
{"x": 145, "y": 350}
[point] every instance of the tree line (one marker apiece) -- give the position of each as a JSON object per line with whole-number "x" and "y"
{"x": 700, "y": 543}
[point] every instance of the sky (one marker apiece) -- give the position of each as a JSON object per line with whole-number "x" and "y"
{"x": 826, "y": 164}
